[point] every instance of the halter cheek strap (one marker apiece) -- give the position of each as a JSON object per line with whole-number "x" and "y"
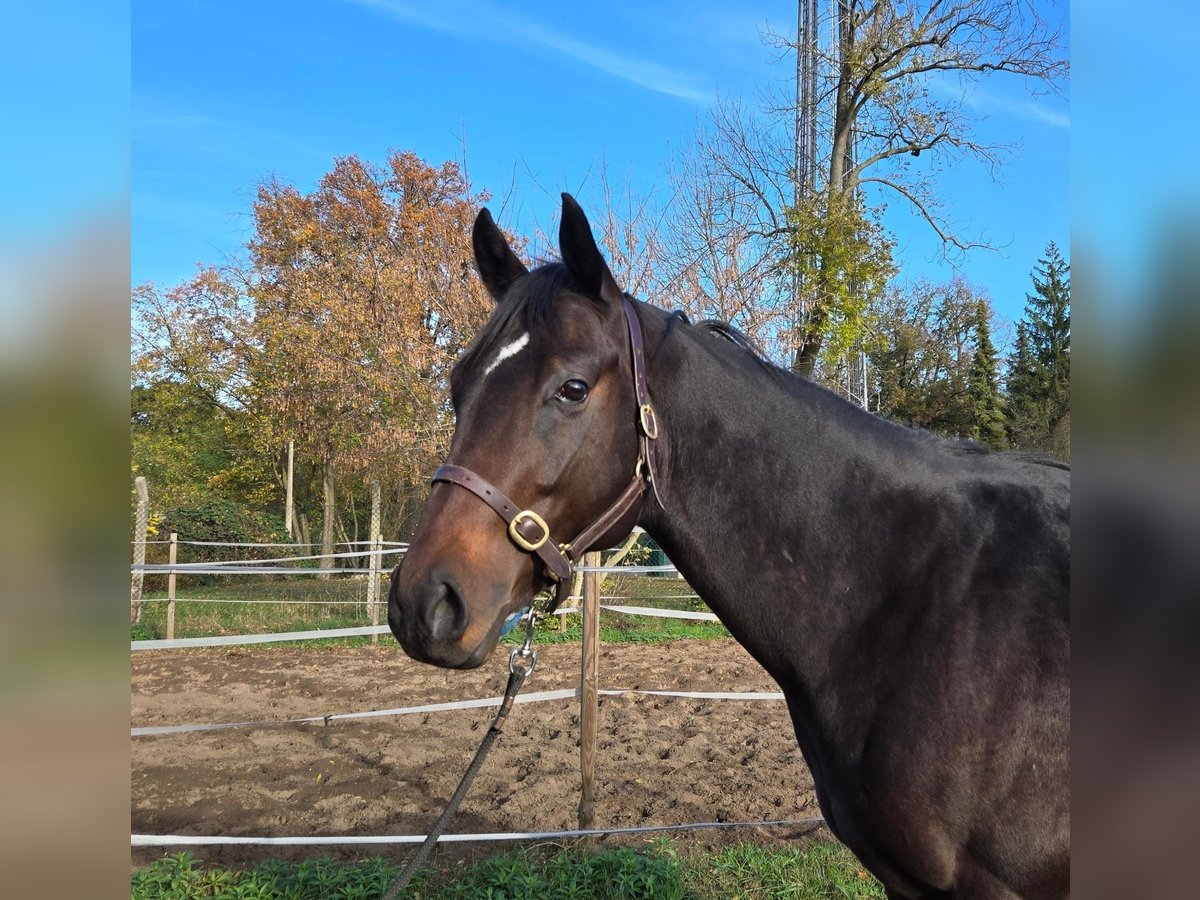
{"x": 526, "y": 528}
{"x": 529, "y": 531}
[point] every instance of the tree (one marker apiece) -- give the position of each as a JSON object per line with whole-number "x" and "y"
{"x": 728, "y": 231}
{"x": 1048, "y": 310}
{"x": 191, "y": 432}
{"x": 1039, "y": 370}
{"x": 983, "y": 387}
{"x": 364, "y": 294}
{"x": 337, "y": 332}
{"x": 929, "y": 354}
{"x": 876, "y": 94}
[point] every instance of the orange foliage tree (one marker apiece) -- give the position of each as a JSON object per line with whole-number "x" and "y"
{"x": 364, "y": 293}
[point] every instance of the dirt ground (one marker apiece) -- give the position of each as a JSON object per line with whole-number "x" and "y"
{"x": 660, "y": 760}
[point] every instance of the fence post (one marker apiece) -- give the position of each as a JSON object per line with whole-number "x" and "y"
{"x": 174, "y": 555}
{"x": 588, "y": 697}
{"x": 376, "y": 561}
{"x": 139, "y": 549}
{"x": 288, "y": 504}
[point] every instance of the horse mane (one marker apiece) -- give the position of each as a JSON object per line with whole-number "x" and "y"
{"x": 740, "y": 340}
{"x": 951, "y": 445}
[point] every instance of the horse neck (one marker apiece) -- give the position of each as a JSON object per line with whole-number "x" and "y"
{"x": 768, "y": 486}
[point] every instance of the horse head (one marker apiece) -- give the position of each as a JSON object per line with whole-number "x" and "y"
{"x": 546, "y": 435}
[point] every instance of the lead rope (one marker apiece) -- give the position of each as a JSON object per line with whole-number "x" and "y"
{"x": 521, "y": 663}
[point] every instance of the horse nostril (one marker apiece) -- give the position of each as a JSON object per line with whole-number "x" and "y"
{"x": 446, "y": 614}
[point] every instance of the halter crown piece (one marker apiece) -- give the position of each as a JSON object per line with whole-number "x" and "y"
{"x": 529, "y": 531}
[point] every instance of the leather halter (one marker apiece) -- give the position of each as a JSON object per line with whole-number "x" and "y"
{"x": 529, "y": 531}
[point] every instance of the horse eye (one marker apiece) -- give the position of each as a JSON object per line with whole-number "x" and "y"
{"x": 573, "y": 391}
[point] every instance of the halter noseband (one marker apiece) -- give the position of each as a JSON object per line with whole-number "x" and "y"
{"x": 529, "y": 531}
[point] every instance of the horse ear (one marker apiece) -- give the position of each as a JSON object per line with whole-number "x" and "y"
{"x": 498, "y": 266}
{"x": 582, "y": 257}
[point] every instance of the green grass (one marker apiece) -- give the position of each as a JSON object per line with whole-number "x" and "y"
{"x": 822, "y": 870}
{"x": 295, "y": 603}
{"x": 818, "y": 871}
{"x": 303, "y": 603}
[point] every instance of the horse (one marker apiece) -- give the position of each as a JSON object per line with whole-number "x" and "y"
{"x": 909, "y": 594}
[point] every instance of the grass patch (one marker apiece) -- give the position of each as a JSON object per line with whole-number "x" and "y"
{"x": 298, "y": 603}
{"x": 660, "y": 873}
{"x": 821, "y": 870}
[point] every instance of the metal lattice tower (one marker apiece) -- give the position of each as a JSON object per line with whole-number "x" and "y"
{"x": 809, "y": 73}
{"x": 807, "y": 64}
{"x": 805, "y": 163}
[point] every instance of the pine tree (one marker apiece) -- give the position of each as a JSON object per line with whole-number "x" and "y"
{"x": 1039, "y": 370}
{"x": 1048, "y": 310}
{"x": 1021, "y": 388}
{"x": 983, "y": 387}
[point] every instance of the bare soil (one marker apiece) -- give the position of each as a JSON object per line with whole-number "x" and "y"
{"x": 659, "y": 760}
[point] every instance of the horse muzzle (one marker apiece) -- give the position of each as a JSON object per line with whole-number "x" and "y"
{"x": 429, "y": 617}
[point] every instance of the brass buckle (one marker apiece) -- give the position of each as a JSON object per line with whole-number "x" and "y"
{"x": 519, "y": 539}
{"x": 649, "y": 421}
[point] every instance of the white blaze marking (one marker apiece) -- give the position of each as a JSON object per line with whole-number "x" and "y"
{"x": 507, "y": 352}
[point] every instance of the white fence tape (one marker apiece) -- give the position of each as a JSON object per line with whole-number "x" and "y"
{"x": 228, "y": 640}
{"x": 248, "y": 602}
{"x": 244, "y": 544}
{"x": 661, "y": 613}
{"x": 536, "y": 697}
{"x": 191, "y": 840}
{"x": 703, "y": 695}
{"x": 630, "y": 570}
{"x": 241, "y": 568}
{"x": 184, "y": 568}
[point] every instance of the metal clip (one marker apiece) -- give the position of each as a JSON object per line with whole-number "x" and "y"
{"x": 525, "y": 652}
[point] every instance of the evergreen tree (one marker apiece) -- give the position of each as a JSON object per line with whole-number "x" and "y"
{"x": 1039, "y": 370}
{"x": 983, "y": 387}
{"x": 1048, "y": 310}
{"x": 1022, "y": 421}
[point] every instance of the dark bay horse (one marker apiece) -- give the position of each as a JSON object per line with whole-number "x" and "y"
{"x": 908, "y": 594}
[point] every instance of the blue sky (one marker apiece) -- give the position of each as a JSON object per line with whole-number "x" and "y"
{"x": 227, "y": 94}
{"x": 65, "y": 155}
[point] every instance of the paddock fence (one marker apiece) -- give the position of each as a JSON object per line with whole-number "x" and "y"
{"x": 628, "y": 585}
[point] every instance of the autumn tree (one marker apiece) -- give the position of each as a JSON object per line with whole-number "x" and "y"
{"x": 364, "y": 294}
{"x": 191, "y": 432}
{"x": 886, "y": 90}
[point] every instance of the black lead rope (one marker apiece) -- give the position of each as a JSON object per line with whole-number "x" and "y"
{"x": 521, "y": 663}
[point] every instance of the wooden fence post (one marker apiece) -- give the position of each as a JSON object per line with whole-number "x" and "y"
{"x": 174, "y": 555}
{"x": 588, "y": 697}
{"x": 376, "y": 561}
{"x": 140, "y": 530}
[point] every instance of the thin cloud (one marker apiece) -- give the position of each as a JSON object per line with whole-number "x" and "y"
{"x": 987, "y": 101}
{"x": 482, "y": 20}
{"x": 1023, "y": 109}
